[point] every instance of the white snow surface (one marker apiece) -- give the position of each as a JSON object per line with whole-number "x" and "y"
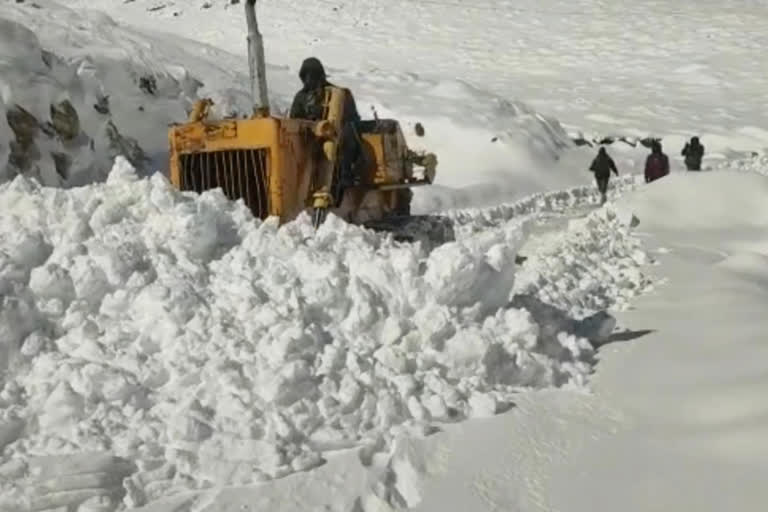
{"x": 157, "y": 348}
{"x": 673, "y": 420}
{"x": 209, "y": 348}
{"x": 618, "y": 68}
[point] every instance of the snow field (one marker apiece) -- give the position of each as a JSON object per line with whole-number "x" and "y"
{"x": 208, "y": 348}
{"x": 577, "y": 61}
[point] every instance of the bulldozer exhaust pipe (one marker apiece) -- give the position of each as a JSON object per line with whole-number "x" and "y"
{"x": 256, "y": 65}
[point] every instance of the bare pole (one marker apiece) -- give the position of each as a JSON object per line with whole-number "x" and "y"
{"x": 256, "y": 65}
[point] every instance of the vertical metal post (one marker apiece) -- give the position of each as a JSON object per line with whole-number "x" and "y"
{"x": 256, "y": 64}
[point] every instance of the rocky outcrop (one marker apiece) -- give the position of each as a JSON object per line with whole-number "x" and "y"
{"x": 125, "y": 146}
{"x": 24, "y": 151}
{"x": 61, "y": 139}
{"x": 65, "y": 120}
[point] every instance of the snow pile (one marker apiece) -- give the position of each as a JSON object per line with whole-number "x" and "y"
{"x": 594, "y": 265}
{"x": 559, "y": 201}
{"x": 204, "y": 346}
{"x": 756, "y": 163}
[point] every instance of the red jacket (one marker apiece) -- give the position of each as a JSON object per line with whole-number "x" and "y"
{"x": 656, "y": 166}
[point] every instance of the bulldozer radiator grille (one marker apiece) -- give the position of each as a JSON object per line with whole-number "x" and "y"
{"x": 241, "y": 174}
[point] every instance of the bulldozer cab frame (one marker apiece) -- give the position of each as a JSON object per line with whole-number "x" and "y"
{"x": 283, "y": 166}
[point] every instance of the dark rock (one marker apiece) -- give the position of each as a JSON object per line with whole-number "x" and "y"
{"x": 102, "y": 105}
{"x": 148, "y": 84}
{"x": 25, "y": 127}
{"x": 23, "y": 124}
{"x": 65, "y": 120}
{"x": 48, "y": 58}
{"x": 580, "y": 141}
{"x": 22, "y": 157}
{"x": 126, "y": 146}
{"x": 48, "y": 129}
{"x": 419, "y": 128}
{"x": 62, "y": 162}
{"x": 648, "y": 141}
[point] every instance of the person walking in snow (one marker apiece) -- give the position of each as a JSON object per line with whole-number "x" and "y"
{"x": 657, "y": 163}
{"x": 602, "y": 166}
{"x": 693, "y": 153}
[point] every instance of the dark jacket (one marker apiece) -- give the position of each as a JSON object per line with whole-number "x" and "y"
{"x": 656, "y": 165}
{"x": 603, "y": 165}
{"x": 693, "y": 153}
{"x": 308, "y": 102}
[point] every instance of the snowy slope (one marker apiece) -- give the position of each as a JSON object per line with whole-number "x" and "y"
{"x": 694, "y": 421}
{"x": 619, "y": 68}
{"x": 83, "y": 58}
{"x": 499, "y": 145}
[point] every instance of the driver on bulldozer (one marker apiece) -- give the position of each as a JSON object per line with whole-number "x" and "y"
{"x": 308, "y": 104}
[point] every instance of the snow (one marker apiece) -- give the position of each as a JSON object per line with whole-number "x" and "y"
{"x": 165, "y": 351}
{"x": 708, "y": 201}
{"x": 696, "y": 432}
{"x": 177, "y": 332}
{"x": 618, "y": 69}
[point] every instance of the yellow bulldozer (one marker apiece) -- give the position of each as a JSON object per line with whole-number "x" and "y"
{"x": 282, "y": 166}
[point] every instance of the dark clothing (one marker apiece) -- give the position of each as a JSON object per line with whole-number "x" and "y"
{"x": 603, "y": 165}
{"x": 656, "y": 165}
{"x": 602, "y": 183}
{"x": 309, "y": 104}
{"x": 693, "y": 153}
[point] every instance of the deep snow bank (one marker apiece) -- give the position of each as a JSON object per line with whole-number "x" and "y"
{"x": 756, "y": 163}
{"x": 714, "y": 201}
{"x": 592, "y": 265}
{"x": 204, "y": 346}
